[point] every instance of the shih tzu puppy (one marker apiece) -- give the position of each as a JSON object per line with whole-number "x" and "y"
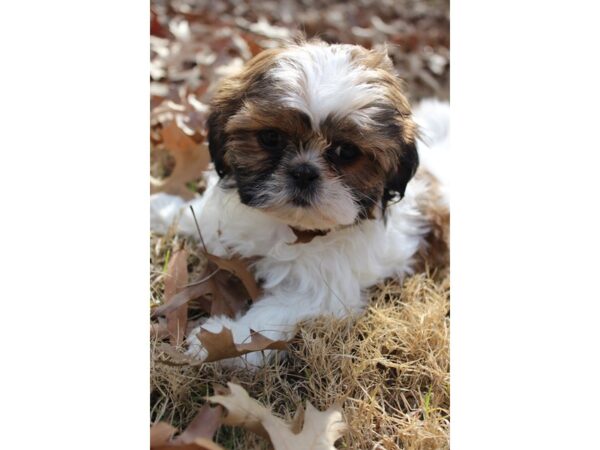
{"x": 316, "y": 138}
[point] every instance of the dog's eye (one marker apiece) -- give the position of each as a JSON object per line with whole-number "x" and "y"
{"x": 344, "y": 152}
{"x": 271, "y": 140}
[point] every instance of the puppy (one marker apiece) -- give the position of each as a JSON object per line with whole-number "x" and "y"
{"x": 316, "y": 139}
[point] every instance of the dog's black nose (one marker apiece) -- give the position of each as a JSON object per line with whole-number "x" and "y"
{"x": 304, "y": 174}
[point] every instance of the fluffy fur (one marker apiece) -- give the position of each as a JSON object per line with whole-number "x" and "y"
{"x": 320, "y": 98}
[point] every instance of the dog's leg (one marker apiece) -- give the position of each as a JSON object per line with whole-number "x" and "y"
{"x": 274, "y": 316}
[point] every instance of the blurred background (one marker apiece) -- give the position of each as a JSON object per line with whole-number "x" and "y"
{"x": 194, "y": 43}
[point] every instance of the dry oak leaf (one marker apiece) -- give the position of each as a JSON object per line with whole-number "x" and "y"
{"x": 221, "y": 345}
{"x": 191, "y": 159}
{"x": 224, "y": 288}
{"x": 228, "y": 295}
{"x": 197, "y": 436}
{"x": 319, "y": 432}
{"x": 238, "y": 267}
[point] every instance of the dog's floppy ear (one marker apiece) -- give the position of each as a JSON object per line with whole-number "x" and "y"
{"x": 217, "y": 140}
{"x": 228, "y": 99}
{"x": 407, "y": 166}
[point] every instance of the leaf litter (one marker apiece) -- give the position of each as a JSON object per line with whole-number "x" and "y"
{"x": 310, "y": 429}
{"x": 225, "y": 287}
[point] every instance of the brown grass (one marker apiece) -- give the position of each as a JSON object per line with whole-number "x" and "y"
{"x": 390, "y": 367}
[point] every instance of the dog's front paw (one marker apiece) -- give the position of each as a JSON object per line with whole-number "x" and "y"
{"x": 240, "y": 334}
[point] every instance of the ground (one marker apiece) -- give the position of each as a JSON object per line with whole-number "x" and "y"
{"x": 390, "y": 368}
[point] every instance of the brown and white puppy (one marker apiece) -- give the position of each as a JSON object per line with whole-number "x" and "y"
{"x": 315, "y": 137}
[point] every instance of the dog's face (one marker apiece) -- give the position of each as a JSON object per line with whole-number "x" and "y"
{"x": 315, "y": 135}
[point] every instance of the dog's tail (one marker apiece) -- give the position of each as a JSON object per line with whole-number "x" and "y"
{"x": 433, "y": 119}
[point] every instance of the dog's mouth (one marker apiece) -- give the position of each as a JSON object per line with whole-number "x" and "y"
{"x": 303, "y": 197}
{"x": 301, "y": 202}
{"x": 309, "y": 206}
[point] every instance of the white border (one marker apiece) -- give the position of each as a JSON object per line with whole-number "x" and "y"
{"x": 525, "y": 225}
{"x": 524, "y": 205}
{"x": 74, "y": 184}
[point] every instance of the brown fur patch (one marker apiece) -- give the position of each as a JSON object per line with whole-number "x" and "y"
{"x": 235, "y": 87}
{"x": 258, "y": 115}
{"x": 377, "y": 144}
{"x": 435, "y": 254}
{"x": 243, "y": 150}
{"x": 379, "y": 61}
{"x": 229, "y": 98}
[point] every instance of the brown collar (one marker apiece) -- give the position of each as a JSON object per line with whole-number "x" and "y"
{"x": 305, "y": 236}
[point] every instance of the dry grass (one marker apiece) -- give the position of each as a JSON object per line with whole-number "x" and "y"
{"x": 390, "y": 367}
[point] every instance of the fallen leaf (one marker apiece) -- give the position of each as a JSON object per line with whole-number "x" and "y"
{"x": 221, "y": 345}
{"x": 242, "y": 410}
{"x": 204, "y": 425}
{"x": 197, "y": 436}
{"x": 191, "y": 159}
{"x": 218, "y": 293}
{"x": 229, "y": 295}
{"x": 184, "y": 296}
{"x": 319, "y": 431}
{"x": 238, "y": 267}
{"x": 177, "y": 277}
{"x": 161, "y": 433}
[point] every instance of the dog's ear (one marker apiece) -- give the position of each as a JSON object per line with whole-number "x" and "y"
{"x": 228, "y": 99}
{"x": 217, "y": 140}
{"x": 408, "y": 163}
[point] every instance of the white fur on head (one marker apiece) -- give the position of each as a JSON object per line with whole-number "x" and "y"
{"x": 322, "y": 80}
